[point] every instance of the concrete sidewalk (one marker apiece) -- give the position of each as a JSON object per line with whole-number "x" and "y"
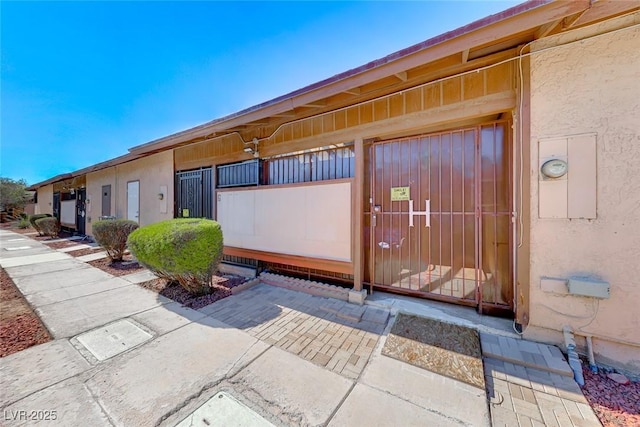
{"x": 125, "y": 356}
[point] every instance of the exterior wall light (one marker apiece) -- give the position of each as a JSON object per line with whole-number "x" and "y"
{"x": 160, "y": 196}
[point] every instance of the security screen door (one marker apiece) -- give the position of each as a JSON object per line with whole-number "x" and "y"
{"x": 440, "y": 216}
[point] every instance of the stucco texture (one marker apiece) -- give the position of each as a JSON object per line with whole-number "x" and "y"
{"x": 45, "y": 200}
{"x": 153, "y": 172}
{"x": 591, "y": 86}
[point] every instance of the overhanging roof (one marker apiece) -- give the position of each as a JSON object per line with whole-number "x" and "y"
{"x": 512, "y": 27}
{"x": 528, "y": 15}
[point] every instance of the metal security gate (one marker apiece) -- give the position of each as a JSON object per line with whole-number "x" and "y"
{"x": 440, "y": 217}
{"x": 194, "y": 194}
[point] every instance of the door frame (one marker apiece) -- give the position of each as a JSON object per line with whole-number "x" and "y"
{"x": 477, "y": 302}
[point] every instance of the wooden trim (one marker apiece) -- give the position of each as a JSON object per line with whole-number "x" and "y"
{"x": 357, "y": 193}
{"x": 293, "y": 185}
{"x": 343, "y": 267}
{"x": 422, "y": 120}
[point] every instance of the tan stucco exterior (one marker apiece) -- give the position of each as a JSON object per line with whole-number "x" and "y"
{"x": 590, "y": 87}
{"x": 45, "y": 200}
{"x": 155, "y": 174}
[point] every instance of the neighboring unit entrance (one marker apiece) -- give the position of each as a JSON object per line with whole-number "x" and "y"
{"x": 133, "y": 201}
{"x": 440, "y": 217}
{"x": 81, "y": 196}
{"x": 106, "y": 200}
{"x": 194, "y": 194}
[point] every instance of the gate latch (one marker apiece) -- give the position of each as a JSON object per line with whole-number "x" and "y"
{"x": 426, "y": 213}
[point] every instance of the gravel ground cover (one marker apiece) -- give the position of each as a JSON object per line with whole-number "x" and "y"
{"x": 118, "y": 268}
{"x": 221, "y": 286}
{"x": 616, "y": 405}
{"x": 20, "y": 327}
{"x": 85, "y": 251}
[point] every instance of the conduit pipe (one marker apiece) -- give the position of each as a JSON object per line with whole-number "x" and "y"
{"x": 592, "y": 359}
{"x": 572, "y": 355}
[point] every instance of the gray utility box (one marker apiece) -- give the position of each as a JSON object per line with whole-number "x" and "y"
{"x": 588, "y": 287}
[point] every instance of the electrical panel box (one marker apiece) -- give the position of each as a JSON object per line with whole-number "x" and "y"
{"x": 588, "y": 287}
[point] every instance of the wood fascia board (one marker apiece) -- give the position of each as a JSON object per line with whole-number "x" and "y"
{"x": 479, "y": 107}
{"x": 514, "y": 24}
{"x": 602, "y": 9}
{"x": 343, "y": 267}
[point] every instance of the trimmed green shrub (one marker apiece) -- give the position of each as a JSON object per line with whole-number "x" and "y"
{"x": 48, "y": 226}
{"x": 186, "y": 250}
{"x": 112, "y": 235}
{"x": 36, "y": 217}
{"x": 24, "y": 223}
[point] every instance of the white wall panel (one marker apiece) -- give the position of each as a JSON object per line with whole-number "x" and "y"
{"x": 311, "y": 220}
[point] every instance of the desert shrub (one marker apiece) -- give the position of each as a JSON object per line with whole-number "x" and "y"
{"x": 24, "y": 223}
{"x": 186, "y": 250}
{"x": 24, "y": 215}
{"x": 35, "y": 218}
{"x": 49, "y": 226}
{"x": 112, "y": 235}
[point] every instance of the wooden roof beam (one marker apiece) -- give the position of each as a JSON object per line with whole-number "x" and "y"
{"x": 402, "y": 76}
{"x": 316, "y": 104}
{"x": 355, "y": 91}
{"x": 547, "y": 29}
{"x": 465, "y": 56}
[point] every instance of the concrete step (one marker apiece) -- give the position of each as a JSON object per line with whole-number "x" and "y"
{"x": 544, "y": 357}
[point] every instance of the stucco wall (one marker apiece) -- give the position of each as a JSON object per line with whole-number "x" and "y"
{"x": 153, "y": 172}
{"x": 583, "y": 87}
{"x": 95, "y": 181}
{"x": 45, "y": 200}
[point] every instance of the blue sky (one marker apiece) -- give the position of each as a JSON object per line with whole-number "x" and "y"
{"x": 84, "y": 81}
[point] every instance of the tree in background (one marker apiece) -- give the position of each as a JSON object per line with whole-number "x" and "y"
{"x": 13, "y": 193}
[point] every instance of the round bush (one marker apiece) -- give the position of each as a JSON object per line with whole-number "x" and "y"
{"x": 186, "y": 250}
{"x": 112, "y": 235}
{"x": 36, "y": 217}
{"x": 48, "y": 226}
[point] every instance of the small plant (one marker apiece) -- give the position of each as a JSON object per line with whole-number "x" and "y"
{"x": 24, "y": 223}
{"x": 112, "y": 235}
{"x": 186, "y": 250}
{"x": 35, "y": 218}
{"x": 49, "y": 226}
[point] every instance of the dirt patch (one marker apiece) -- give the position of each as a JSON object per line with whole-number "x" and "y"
{"x": 616, "y": 405}
{"x": 118, "y": 268}
{"x": 45, "y": 239}
{"x": 85, "y": 251}
{"x": 20, "y": 327}
{"x": 61, "y": 244}
{"x": 221, "y": 286}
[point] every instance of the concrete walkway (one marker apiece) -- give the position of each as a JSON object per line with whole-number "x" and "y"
{"x": 124, "y": 356}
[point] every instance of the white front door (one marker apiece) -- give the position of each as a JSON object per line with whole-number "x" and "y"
{"x": 133, "y": 201}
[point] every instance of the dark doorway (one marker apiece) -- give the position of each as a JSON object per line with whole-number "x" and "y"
{"x": 106, "y": 200}
{"x": 81, "y": 195}
{"x": 56, "y": 205}
{"x": 194, "y": 194}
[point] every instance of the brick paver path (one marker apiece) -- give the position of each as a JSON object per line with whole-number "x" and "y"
{"x": 328, "y": 332}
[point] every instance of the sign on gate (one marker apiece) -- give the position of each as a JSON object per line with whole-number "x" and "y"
{"x": 399, "y": 194}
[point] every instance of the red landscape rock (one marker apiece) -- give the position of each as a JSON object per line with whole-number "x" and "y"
{"x": 619, "y": 378}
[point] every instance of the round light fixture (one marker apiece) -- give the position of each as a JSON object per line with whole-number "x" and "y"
{"x": 554, "y": 168}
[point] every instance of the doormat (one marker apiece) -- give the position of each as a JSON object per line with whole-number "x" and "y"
{"x": 440, "y": 347}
